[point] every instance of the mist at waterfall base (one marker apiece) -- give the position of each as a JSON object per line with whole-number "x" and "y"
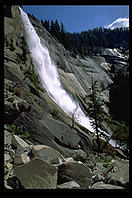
{"x": 49, "y": 76}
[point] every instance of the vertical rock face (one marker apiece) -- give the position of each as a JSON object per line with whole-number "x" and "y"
{"x": 12, "y": 24}
{"x": 37, "y": 174}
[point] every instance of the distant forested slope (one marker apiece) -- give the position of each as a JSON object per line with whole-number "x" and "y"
{"x": 88, "y": 42}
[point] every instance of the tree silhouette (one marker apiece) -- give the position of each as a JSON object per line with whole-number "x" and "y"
{"x": 95, "y": 109}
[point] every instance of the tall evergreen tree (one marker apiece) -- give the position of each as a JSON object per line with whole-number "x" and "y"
{"x": 95, "y": 109}
{"x": 52, "y": 28}
{"x": 57, "y": 27}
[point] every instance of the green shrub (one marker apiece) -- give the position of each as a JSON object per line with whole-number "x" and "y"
{"x": 18, "y": 130}
{"x": 106, "y": 162}
{"x": 24, "y": 48}
{"x": 26, "y": 135}
{"x": 33, "y": 77}
{"x": 120, "y": 130}
{"x": 63, "y": 154}
{"x": 38, "y": 108}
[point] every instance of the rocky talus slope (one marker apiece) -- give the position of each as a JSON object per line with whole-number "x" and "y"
{"x": 29, "y": 166}
{"x": 42, "y": 149}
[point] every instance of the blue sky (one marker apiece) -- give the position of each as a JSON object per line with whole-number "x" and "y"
{"x": 79, "y": 18}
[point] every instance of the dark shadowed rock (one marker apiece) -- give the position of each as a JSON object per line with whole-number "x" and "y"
{"x": 77, "y": 172}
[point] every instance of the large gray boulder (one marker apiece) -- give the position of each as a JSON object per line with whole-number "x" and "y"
{"x": 63, "y": 135}
{"x": 47, "y": 153}
{"x": 37, "y": 174}
{"x": 120, "y": 173}
{"x": 73, "y": 171}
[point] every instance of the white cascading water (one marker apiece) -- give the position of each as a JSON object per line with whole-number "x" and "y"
{"x": 49, "y": 76}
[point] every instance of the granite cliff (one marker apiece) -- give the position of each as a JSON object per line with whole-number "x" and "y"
{"x": 31, "y": 113}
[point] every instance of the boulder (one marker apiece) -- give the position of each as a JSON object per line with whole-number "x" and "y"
{"x": 21, "y": 158}
{"x": 120, "y": 153}
{"x": 69, "y": 185}
{"x": 80, "y": 155}
{"x": 97, "y": 177}
{"x": 37, "y": 174}
{"x": 68, "y": 152}
{"x": 102, "y": 185}
{"x": 47, "y": 153}
{"x": 19, "y": 143}
{"x": 100, "y": 167}
{"x": 7, "y": 139}
{"x": 11, "y": 153}
{"x": 63, "y": 135}
{"x": 120, "y": 173}
{"x": 73, "y": 171}
{"x": 7, "y": 158}
{"x": 91, "y": 161}
{"x": 69, "y": 159}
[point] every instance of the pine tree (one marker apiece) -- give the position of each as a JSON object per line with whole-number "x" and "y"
{"x": 47, "y": 25}
{"x": 62, "y": 32}
{"x": 57, "y": 27}
{"x": 95, "y": 109}
{"x": 52, "y": 27}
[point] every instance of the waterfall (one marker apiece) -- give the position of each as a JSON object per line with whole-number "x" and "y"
{"x": 49, "y": 76}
